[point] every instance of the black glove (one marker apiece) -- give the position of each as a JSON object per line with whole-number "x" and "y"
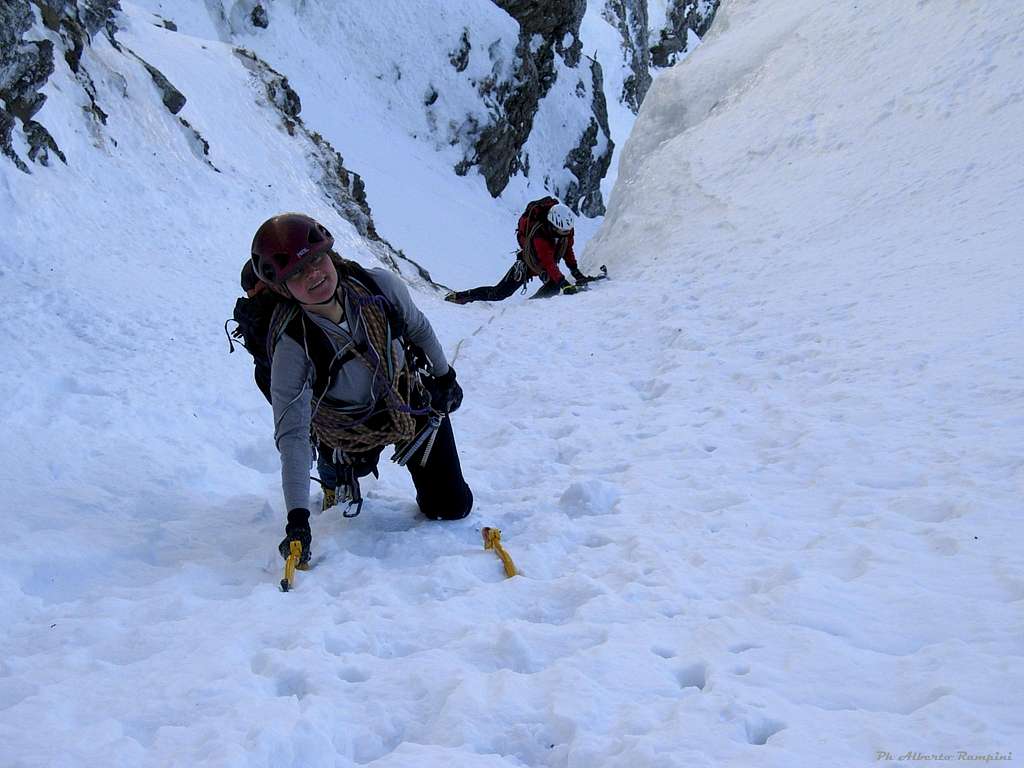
{"x": 577, "y": 275}
{"x": 445, "y": 392}
{"x": 297, "y": 529}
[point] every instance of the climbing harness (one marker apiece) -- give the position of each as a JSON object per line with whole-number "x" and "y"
{"x": 390, "y": 417}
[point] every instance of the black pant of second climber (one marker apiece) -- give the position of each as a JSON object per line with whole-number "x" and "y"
{"x": 517, "y": 276}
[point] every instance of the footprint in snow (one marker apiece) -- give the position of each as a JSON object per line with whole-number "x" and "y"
{"x": 292, "y": 683}
{"x": 759, "y": 729}
{"x": 256, "y": 456}
{"x": 855, "y": 565}
{"x": 353, "y": 675}
{"x": 714, "y": 502}
{"x": 565, "y": 429}
{"x": 693, "y": 676}
{"x": 591, "y": 498}
{"x": 596, "y": 541}
{"x": 743, "y": 647}
{"x": 651, "y": 389}
{"x": 927, "y": 510}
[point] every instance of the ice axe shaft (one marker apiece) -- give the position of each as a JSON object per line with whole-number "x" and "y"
{"x": 492, "y": 540}
{"x": 294, "y": 555}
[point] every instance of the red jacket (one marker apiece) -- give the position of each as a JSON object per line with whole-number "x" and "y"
{"x": 546, "y": 248}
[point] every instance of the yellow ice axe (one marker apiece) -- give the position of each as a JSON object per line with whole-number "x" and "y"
{"x": 492, "y": 540}
{"x": 295, "y": 554}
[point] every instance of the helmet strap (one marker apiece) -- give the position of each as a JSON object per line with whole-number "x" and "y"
{"x": 331, "y": 300}
{"x": 285, "y": 291}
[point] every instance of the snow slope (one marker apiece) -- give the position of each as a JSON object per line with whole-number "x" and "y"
{"x": 763, "y": 486}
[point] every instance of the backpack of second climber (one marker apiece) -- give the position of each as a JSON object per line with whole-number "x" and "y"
{"x": 536, "y": 213}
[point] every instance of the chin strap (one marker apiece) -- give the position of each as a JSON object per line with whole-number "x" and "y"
{"x": 334, "y": 297}
{"x": 331, "y": 300}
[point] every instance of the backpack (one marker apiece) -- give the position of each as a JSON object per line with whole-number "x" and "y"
{"x": 253, "y": 314}
{"x": 536, "y": 213}
{"x": 252, "y": 326}
{"x": 532, "y": 219}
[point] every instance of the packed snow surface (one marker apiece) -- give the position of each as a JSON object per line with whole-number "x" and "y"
{"x": 763, "y": 485}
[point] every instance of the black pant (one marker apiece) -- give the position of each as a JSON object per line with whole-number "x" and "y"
{"x": 514, "y": 279}
{"x": 441, "y": 491}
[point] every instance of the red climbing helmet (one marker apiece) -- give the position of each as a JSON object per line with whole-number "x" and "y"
{"x": 284, "y": 243}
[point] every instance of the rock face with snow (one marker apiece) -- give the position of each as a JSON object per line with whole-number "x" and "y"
{"x": 26, "y": 64}
{"x": 469, "y": 101}
{"x": 343, "y": 187}
{"x": 629, "y": 17}
{"x": 546, "y": 31}
{"x": 550, "y": 31}
{"x": 494, "y": 142}
{"x": 683, "y": 19}
{"x": 589, "y": 167}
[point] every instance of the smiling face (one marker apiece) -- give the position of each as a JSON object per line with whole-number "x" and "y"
{"x": 316, "y": 282}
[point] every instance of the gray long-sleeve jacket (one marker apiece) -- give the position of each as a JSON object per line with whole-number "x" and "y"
{"x": 291, "y": 385}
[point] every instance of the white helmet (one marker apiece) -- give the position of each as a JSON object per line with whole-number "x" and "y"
{"x": 560, "y": 217}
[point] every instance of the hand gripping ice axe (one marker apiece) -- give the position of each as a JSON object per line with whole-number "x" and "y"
{"x": 593, "y": 278}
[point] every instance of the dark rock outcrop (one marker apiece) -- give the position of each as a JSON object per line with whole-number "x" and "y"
{"x": 172, "y": 98}
{"x": 77, "y": 22}
{"x": 6, "y": 130}
{"x": 259, "y": 17}
{"x": 460, "y": 56}
{"x": 683, "y": 15}
{"x": 630, "y": 18}
{"x": 546, "y": 30}
{"x": 553, "y": 20}
{"x": 41, "y": 144}
{"x": 99, "y": 14}
{"x": 31, "y": 67}
{"x": 26, "y": 65}
{"x": 24, "y": 68}
{"x": 584, "y": 195}
{"x": 497, "y": 149}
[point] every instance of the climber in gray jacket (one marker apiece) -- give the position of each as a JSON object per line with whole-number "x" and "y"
{"x": 355, "y": 366}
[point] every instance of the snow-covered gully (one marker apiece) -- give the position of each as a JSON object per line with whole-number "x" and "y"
{"x": 763, "y": 485}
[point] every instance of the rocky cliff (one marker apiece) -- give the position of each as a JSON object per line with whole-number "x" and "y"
{"x": 549, "y": 46}
{"x": 548, "y": 60}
